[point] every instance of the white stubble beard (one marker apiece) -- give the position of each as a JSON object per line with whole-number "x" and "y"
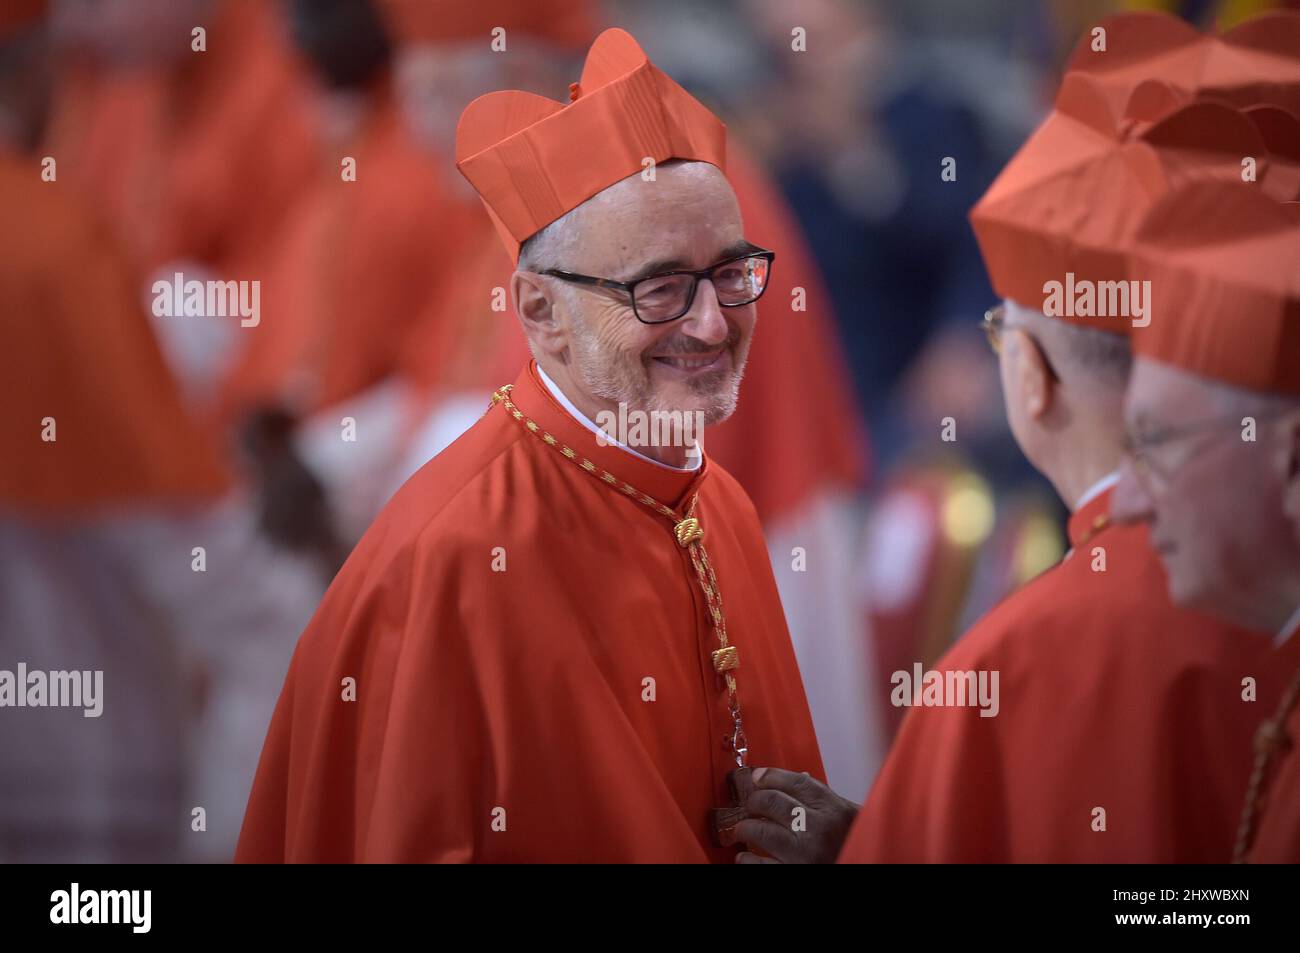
{"x": 612, "y": 378}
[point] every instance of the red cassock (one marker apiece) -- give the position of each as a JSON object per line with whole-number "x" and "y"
{"x": 1108, "y": 698}
{"x": 353, "y": 266}
{"x": 80, "y": 359}
{"x": 198, "y": 159}
{"x": 503, "y": 619}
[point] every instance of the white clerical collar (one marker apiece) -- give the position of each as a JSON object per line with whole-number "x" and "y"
{"x": 1291, "y": 628}
{"x": 1097, "y": 489}
{"x": 697, "y": 459}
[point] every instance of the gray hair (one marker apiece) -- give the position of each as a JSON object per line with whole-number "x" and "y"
{"x": 1101, "y": 354}
{"x": 549, "y": 248}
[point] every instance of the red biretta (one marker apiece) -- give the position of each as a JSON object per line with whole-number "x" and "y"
{"x": 1117, "y": 731}
{"x": 1257, "y": 61}
{"x": 532, "y": 654}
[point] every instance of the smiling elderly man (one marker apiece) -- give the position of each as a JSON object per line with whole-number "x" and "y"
{"x": 549, "y": 646}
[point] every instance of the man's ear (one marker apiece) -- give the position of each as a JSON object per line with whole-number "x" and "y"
{"x": 541, "y": 323}
{"x": 1032, "y": 371}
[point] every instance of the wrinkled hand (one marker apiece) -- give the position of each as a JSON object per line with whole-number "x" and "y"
{"x": 795, "y": 819}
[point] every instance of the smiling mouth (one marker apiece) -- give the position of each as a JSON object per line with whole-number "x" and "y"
{"x": 694, "y": 362}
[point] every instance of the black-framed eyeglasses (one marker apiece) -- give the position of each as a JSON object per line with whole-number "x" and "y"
{"x": 995, "y": 323}
{"x": 1140, "y": 447}
{"x": 667, "y": 296}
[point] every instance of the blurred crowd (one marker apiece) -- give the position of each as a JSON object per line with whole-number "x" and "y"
{"x": 178, "y": 489}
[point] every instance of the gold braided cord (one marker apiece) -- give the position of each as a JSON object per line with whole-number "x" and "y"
{"x": 687, "y": 530}
{"x": 1271, "y": 737}
{"x": 500, "y": 397}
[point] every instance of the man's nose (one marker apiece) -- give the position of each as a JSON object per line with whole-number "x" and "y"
{"x": 705, "y": 321}
{"x": 1130, "y": 503}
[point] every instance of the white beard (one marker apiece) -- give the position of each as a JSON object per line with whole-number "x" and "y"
{"x": 613, "y": 380}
